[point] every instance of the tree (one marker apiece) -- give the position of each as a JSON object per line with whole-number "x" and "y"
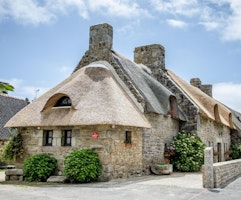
{"x": 5, "y": 87}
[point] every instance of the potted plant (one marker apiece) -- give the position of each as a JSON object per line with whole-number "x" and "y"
{"x": 162, "y": 168}
{"x": 127, "y": 142}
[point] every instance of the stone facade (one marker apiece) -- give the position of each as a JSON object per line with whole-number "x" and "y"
{"x": 214, "y": 135}
{"x": 211, "y": 133}
{"x": 118, "y": 161}
{"x": 154, "y": 139}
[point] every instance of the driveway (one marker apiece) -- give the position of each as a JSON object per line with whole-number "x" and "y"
{"x": 183, "y": 186}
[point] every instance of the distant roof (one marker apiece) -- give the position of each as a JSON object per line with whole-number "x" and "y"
{"x": 9, "y": 106}
{"x": 236, "y": 119}
{"x": 208, "y": 106}
{"x": 98, "y": 97}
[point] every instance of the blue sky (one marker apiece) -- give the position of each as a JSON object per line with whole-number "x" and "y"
{"x": 42, "y": 41}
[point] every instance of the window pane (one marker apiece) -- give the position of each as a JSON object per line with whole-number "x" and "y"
{"x": 68, "y": 141}
{"x": 49, "y": 140}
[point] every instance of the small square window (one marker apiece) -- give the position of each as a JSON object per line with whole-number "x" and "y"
{"x": 48, "y": 138}
{"x": 66, "y": 137}
{"x": 128, "y": 137}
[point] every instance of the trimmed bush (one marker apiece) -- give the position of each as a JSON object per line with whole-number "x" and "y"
{"x": 82, "y": 166}
{"x": 189, "y": 152}
{"x": 39, "y": 167}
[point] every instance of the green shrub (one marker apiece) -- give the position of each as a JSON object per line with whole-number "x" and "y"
{"x": 82, "y": 166}
{"x": 39, "y": 167}
{"x": 236, "y": 151}
{"x": 13, "y": 149}
{"x": 189, "y": 152}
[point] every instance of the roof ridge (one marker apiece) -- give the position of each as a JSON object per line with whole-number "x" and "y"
{"x": 8, "y": 96}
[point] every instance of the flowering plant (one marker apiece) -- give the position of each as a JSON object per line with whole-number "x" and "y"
{"x": 170, "y": 150}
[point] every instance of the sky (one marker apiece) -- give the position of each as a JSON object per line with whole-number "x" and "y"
{"x": 42, "y": 41}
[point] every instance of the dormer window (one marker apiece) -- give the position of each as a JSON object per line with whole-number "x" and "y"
{"x": 63, "y": 101}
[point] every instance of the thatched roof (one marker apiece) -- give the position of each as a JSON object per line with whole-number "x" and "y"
{"x": 97, "y": 96}
{"x": 208, "y": 106}
{"x": 156, "y": 96}
{"x": 9, "y": 106}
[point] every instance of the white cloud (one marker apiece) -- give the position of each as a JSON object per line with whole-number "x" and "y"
{"x": 187, "y": 8}
{"x": 232, "y": 30}
{"x": 45, "y": 11}
{"x": 65, "y": 6}
{"x": 177, "y": 23}
{"x": 228, "y": 94}
{"x": 122, "y": 8}
{"x": 25, "y": 12}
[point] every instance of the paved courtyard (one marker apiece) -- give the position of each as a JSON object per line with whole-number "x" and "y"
{"x": 177, "y": 186}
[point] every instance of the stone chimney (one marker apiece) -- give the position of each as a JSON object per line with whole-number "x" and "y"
{"x": 207, "y": 88}
{"x": 101, "y": 36}
{"x": 153, "y": 56}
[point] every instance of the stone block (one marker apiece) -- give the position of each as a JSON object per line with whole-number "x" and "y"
{"x": 57, "y": 179}
{"x": 12, "y": 172}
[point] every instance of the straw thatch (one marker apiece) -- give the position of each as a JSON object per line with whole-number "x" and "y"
{"x": 97, "y": 96}
{"x": 208, "y": 106}
{"x": 156, "y": 96}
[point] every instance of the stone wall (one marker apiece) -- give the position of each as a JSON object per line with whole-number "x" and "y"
{"x": 224, "y": 172}
{"x": 117, "y": 160}
{"x": 187, "y": 106}
{"x": 154, "y": 139}
{"x": 213, "y": 134}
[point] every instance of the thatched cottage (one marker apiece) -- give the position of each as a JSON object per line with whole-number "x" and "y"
{"x": 126, "y": 111}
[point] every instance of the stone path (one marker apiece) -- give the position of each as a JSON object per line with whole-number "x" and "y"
{"x": 184, "y": 180}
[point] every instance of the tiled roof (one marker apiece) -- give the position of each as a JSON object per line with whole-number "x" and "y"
{"x": 9, "y": 106}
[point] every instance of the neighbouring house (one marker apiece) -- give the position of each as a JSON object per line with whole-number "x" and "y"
{"x": 9, "y": 106}
{"x": 127, "y": 112}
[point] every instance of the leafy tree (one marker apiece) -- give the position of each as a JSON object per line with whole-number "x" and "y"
{"x": 189, "y": 152}
{"x": 5, "y": 87}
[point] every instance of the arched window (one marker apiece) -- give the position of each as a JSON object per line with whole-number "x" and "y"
{"x": 63, "y": 101}
{"x": 173, "y": 107}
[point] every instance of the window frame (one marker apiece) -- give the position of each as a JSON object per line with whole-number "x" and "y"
{"x": 47, "y": 136}
{"x": 61, "y": 102}
{"x": 66, "y": 140}
{"x": 128, "y": 137}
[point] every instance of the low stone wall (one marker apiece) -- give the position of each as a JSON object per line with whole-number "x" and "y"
{"x": 14, "y": 175}
{"x": 224, "y": 172}
{"x": 218, "y": 174}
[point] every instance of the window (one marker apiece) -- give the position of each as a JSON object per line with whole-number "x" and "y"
{"x": 66, "y": 138}
{"x": 63, "y": 101}
{"x": 128, "y": 137}
{"x": 47, "y": 137}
